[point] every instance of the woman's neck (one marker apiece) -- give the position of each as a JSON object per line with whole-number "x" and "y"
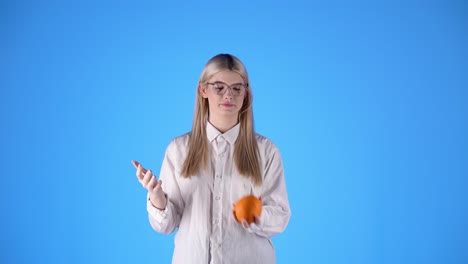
{"x": 223, "y": 124}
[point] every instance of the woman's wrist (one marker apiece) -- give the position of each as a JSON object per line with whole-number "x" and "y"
{"x": 159, "y": 204}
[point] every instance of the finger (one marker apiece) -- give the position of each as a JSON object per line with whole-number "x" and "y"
{"x": 158, "y": 184}
{"x": 147, "y": 177}
{"x": 141, "y": 172}
{"x": 138, "y": 173}
{"x": 257, "y": 220}
{"x": 245, "y": 224}
{"x": 151, "y": 184}
{"x": 135, "y": 164}
{"x": 254, "y": 225}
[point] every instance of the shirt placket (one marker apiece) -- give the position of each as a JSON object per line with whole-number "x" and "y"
{"x": 216, "y": 241}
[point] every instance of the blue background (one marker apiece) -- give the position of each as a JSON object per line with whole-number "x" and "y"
{"x": 367, "y": 102}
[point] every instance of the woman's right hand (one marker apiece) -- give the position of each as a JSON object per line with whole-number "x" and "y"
{"x": 151, "y": 183}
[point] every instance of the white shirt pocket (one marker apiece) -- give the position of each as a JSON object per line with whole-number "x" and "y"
{"x": 240, "y": 187}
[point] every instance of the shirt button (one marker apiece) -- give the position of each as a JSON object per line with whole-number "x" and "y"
{"x": 218, "y": 176}
{"x": 217, "y": 197}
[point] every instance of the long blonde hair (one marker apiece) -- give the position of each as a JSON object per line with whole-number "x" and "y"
{"x": 246, "y": 154}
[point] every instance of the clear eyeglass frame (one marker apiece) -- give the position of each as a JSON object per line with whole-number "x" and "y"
{"x": 221, "y": 88}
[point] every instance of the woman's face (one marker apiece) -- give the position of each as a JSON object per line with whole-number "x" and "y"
{"x": 225, "y": 92}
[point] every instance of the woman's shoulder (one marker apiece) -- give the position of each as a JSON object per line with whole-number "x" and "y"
{"x": 267, "y": 148}
{"x": 179, "y": 143}
{"x": 264, "y": 142}
{"x": 181, "y": 139}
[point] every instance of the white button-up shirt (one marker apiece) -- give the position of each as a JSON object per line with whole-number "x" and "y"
{"x": 201, "y": 207}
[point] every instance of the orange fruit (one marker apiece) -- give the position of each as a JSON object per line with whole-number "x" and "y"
{"x": 247, "y": 208}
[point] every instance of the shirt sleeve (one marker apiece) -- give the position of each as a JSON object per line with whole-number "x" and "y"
{"x": 276, "y": 211}
{"x": 167, "y": 220}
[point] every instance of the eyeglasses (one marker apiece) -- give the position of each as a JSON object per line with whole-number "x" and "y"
{"x": 221, "y": 88}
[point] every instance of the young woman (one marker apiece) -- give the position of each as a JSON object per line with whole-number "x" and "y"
{"x": 207, "y": 170}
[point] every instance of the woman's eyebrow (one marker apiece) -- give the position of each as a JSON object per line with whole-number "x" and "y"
{"x": 220, "y": 82}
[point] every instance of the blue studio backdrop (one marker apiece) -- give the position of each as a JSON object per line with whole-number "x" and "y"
{"x": 366, "y": 100}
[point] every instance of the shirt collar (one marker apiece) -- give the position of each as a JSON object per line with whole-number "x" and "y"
{"x": 230, "y": 135}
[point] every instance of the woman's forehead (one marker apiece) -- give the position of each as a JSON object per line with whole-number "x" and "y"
{"x": 227, "y": 76}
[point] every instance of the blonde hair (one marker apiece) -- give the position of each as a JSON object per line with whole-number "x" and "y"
{"x": 246, "y": 149}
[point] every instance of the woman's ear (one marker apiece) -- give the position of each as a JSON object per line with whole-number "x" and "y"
{"x": 203, "y": 90}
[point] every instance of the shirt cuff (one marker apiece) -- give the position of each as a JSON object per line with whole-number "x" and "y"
{"x": 158, "y": 214}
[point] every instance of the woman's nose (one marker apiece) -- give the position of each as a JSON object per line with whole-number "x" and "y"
{"x": 228, "y": 93}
